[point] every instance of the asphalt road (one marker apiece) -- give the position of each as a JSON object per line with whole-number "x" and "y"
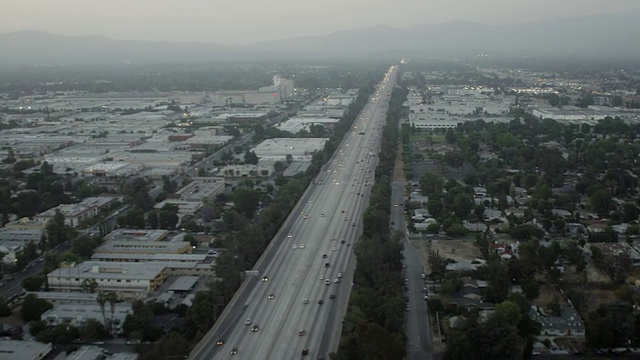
{"x": 310, "y": 258}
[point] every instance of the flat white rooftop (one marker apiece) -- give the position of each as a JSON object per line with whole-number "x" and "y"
{"x": 289, "y": 146}
{"x": 23, "y": 350}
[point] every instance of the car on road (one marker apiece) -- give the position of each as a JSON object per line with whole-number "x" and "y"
{"x": 339, "y": 274}
{"x": 321, "y": 215}
{"x": 219, "y": 342}
{"x": 248, "y": 321}
{"x": 354, "y": 224}
{"x": 320, "y": 301}
{"x": 333, "y": 248}
{"x": 254, "y": 328}
{"x": 233, "y": 351}
{"x": 305, "y": 352}
{"x": 301, "y": 332}
{"x": 295, "y": 247}
{"x": 270, "y": 297}
{"x": 332, "y": 296}
{"x": 321, "y": 277}
{"x": 265, "y": 278}
{"x": 342, "y": 241}
{"x": 327, "y": 282}
{"x": 327, "y": 265}
{"x": 305, "y": 301}
{"x": 324, "y": 256}
{"x": 301, "y": 246}
{"x": 336, "y": 280}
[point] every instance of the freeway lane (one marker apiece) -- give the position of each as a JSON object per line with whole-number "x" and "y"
{"x": 278, "y": 306}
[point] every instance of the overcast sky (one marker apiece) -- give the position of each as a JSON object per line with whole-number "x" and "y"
{"x": 245, "y": 21}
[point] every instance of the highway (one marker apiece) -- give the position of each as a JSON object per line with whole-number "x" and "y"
{"x": 300, "y": 295}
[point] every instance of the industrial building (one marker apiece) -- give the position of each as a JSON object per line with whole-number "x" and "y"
{"x": 23, "y": 350}
{"x": 202, "y": 189}
{"x": 78, "y": 314}
{"x": 123, "y": 234}
{"x": 300, "y": 149}
{"x": 128, "y": 280}
{"x": 75, "y": 214}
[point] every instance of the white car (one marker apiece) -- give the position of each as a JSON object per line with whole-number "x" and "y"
{"x": 248, "y": 321}
{"x": 333, "y": 248}
{"x": 321, "y": 277}
{"x": 301, "y": 246}
{"x": 295, "y": 247}
{"x": 336, "y": 280}
{"x": 339, "y": 275}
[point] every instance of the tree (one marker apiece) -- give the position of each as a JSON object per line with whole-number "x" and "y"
{"x": 102, "y": 298}
{"x": 190, "y": 239}
{"x": 509, "y": 312}
{"x": 5, "y": 310}
{"x": 631, "y": 212}
{"x": 531, "y": 289}
{"x": 617, "y": 101}
{"x": 88, "y": 285}
{"x": 56, "y": 230}
{"x": 93, "y": 330}
{"x": 246, "y": 201}
{"x": 33, "y": 307}
{"x": 601, "y": 202}
{"x": 83, "y": 246}
{"x": 250, "y": 157}
{"x": 168, "y": 216}
{"x": 33, "y": 283}
{"x": 431, "y": 184}
{"x": 279, "y": 167}
{"x": 462, "y": 205}
{"x": 139, "y": 320}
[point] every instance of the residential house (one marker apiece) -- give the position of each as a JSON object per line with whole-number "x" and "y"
{"x": 567, "y": 324}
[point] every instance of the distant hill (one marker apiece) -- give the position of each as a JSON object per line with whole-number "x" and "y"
{"x": 35, "y": 47}
{"x": 612, "y": 35}
{"x": 596, "y": 36}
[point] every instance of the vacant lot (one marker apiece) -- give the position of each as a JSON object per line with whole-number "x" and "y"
{"x": 424, "y": 136}
{"x": 595, "y": 297}
{"x": 548, "y": 294}
{"x": 456, "y": 250}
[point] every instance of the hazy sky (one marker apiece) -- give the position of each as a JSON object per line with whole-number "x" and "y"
{"x": 245, "y": 21}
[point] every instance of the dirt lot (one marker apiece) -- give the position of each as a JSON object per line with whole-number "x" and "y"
{"x": 456, "y": 250}
{"x": 599, "y": 296}
{"x": 596, "y": 276}
{"x": 398, "y": 168}
{"x": 547, "y": 295}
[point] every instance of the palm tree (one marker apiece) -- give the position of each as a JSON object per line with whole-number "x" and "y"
{"x": 102, "y": 299}
{"x": 112, "y": 298}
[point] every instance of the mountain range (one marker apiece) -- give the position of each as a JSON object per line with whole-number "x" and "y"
{"x": 595, "y": 36}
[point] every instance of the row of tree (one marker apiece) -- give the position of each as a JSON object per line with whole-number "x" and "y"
{"x": 374, "y": 324}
